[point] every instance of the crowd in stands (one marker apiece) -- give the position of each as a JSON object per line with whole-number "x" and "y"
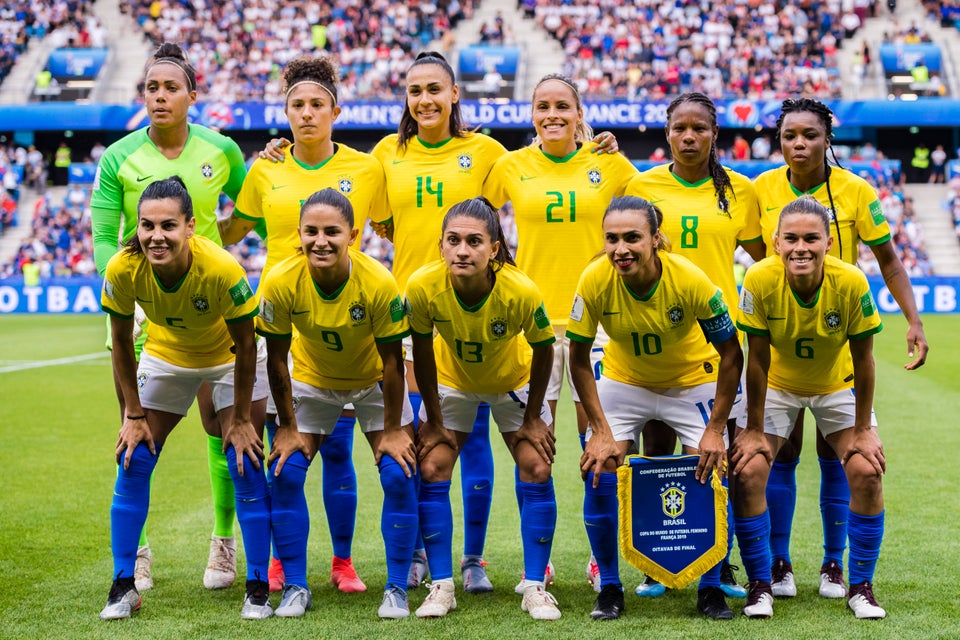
{"x": 239, "y": 47}
{"x": 650, "y": 50}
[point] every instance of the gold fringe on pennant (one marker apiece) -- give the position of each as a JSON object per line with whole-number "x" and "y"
{"x": 650, "y": 567}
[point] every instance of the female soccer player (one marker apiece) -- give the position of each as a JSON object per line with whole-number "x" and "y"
{"x": 272, "y": 193}
{"x": 208, "y": 163}
{"x": 657, "y": 308}
{"x": 202, "y": 308}
{"x": 804, "y": 312}
{"x": 708, "y": 210}
{"x": 480, "y": 303}
{"x": 805, "y": 127}
{"x": 349, "y": 321}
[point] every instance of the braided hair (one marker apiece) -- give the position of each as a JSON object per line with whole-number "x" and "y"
{"x": 825, "y": 116}
{"x": 721, "y": 181}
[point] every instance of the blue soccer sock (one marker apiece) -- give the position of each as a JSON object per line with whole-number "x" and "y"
{"x": 538, "y": 522}
{"x": 253, "y": 513}
{"x": 291, "y": 518}
{"x": 731, "y": 524}
{"x": 516, "y": 487}
{"x": 128, "y": 512}
{"x": 476, "y": 480}
{"x": 415, "y": 401}
{"x": 398, "y": 521}
{"x": 583, "y": 441}
{"x": 753, "y": 535}
{"x": 711, "y": 578}
{"x": 600, "y": 517}
{"x": 834, "y": 506}
{"x": 340, "y": 486}
{"x": 436, "y": 525}
{"x": 866, "y": 534}
{"x": 781, "y": 503}
{"x": 270, "y": 428}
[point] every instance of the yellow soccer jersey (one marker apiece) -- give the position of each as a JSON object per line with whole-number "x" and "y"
{"x": 275, "y": 191}
{"x": 656, "y": 341}
{"x": 423, "y": 182}
{"x": 695, "y": 225}
{"x": 858, "y": 210}
{"x": 336, "y": 335}
{"x": 559, "y": 205}
{"x": 187, "y": 322}
{"x": 478, "y": 349}
{"x": 808, "y": 342}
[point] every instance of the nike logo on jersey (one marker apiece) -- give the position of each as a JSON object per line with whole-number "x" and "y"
{"x": 142, "y": 178}
{"x": 611, "y": 313}
{"x": 656, "y": 201}
{"x": 277, "y": 186}
{"x": 525, "y": 178}
{"x": 769, "y": 209}
{"x": 297, "y": 313}
{"x": 398, "y": 161}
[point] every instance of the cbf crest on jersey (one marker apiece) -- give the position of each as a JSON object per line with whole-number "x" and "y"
{"x": 832, "y": 319}
{"x": 200, "y": 303}
{"x": 206, "y": 170}
{"x": 498, "y": 327}
{"x": 465, "y": 161}
{"x": 594, "y": 176}
{"x": 358, "y": 312}
{"x": 345, "y": 185}
{"x": 675, "y": 314}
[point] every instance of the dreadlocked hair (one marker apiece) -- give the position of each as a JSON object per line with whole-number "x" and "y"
{"x": 825, "y": 116}
{"x": 721, "y": 181}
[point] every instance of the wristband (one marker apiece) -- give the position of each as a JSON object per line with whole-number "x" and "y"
{"x": 143, "y": 417}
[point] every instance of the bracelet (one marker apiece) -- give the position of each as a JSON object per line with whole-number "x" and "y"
{"x": 143, "y": 417}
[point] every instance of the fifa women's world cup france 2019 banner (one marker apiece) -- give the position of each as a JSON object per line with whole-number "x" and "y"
{"x": 672, "y": 527}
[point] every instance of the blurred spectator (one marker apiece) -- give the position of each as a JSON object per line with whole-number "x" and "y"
{"x": 938, "y": 166}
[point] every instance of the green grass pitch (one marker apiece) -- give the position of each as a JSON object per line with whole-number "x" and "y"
{"x": 57, "y": 471}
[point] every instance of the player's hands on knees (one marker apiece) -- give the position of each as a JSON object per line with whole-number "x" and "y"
{"x": 746, "y": 445}
{"x": 867, "y": 443}
{"x": 600, "y": 447}
{"x": 430, "y": 435}
{"x": 275, "y": 150}
{"x": 132, "y": 433}
{"x": 540, "y": 436}
{"x": 712, "y": 454}
{"x": 244, "y": 439}
{"x": 285, "y": 443}
{"x": 397, "y": 444}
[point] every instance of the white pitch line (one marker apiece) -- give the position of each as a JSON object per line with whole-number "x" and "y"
{"x": 38, "y": 364}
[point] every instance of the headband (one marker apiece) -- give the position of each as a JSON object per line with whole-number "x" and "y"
{"x": 323, "y": 85}
{"x": 191, "y": 81}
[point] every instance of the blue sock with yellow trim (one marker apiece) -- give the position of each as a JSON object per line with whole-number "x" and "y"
{"x": 340, "y": 486}
{"x": 834, "y": 507}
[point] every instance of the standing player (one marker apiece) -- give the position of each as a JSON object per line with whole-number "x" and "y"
{"x": 810, "y": 321}
{"x": 709, "y": 211}
{"x": 273, "y": 192}
{"x": 480, "y": 303}
{"x": 349, "y": 322}
{"x": 805, "y": 127}
{"x": 559, "y": 188}
{"x": 203, "y": 309}
{"x": 657, "y": 308}
{"x": 208, "y": 164}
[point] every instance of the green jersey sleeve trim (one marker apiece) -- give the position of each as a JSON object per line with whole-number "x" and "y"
{"x": 751, "y": 240}
{"x": 576, "y": 337}
{"x": 116, "y": 314}
{"x": 416, "y": 334}
{"x": 753, "y": 330}
{"x": 243, "y": 216}
{"x": 393, "y": 338}
{"x": 249, "y": 316}
{"x": 544, "y": 343}
{"x": 878, "y": 241}
{"x": 866, "y": 334}
{"x": 274, "y": 336}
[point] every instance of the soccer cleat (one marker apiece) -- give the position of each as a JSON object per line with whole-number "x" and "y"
{"x": 609, "y": 604}
{"x": 419, "y": 570}
{"x": 539, "y": 603}
{"x": 395, "y": 604}
{"x": 256, "y": 602}
{"x": 759, "y": 600}
{"x": 863, "y": 603}
{"x": 475, "y": 578}
{"x": 711, "y": 603}
{"x": 782, "y": 584}
{"x": 344, "y": 576}
{"x": 831, "y": 580}
{"x": 276, "y": 576}
{"x": 141, "y": 572}
{"x": 222, "y": 565}
{"x": 548, "y": 576}
{"x": 123, "y": 600}
{"x": 295, "y": 602}
{"x": 593, "y": 576}
{"x": 728, "y": 583}
{"x": 439, "y": 601}
{"x": 650, "y": 588}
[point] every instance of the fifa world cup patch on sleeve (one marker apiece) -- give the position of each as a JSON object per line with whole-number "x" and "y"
{"x": 867, "y": 306}
{"x": 717, "y": 305}
{"x": 876, "y": 212}
{"x": 396, "y": 310}
{"x": 746, "y": 301}
{"x": 576, "y": 313}
{"x": 266, "y": 311}
{"x": 240, "y": 292}
{"x": 540, "y": 317}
